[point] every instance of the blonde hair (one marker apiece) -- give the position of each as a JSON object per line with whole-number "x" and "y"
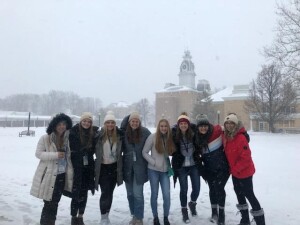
{"x": 114, "y": 137}
{"x": 170, "y": 147}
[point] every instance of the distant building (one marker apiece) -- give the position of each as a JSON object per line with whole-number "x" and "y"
{"x": 174, "y": 99}
{"x": 232, "y": 99}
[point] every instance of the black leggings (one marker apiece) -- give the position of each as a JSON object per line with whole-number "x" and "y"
{"x": 244, "y": 189}
{"x": 216, "y": 182}
{"x": 78, "y": 205}
{"x": 107, "y": 181}
{"x": 49, "y": 211}
{"x": 79, "y": 200}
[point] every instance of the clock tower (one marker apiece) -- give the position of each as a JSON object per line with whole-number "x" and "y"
{"x": 187, "y": 73}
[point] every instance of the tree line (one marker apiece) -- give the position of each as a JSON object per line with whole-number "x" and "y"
{"x": 71, "y": 103}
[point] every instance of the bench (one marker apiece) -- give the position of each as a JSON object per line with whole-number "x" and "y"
{"x": 27, "y": 133}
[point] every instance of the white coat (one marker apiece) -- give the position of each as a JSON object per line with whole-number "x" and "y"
{"x": 45, "y": 175}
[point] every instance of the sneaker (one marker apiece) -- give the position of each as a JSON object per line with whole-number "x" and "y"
{"x": 156, "y": 221}
{"x": 192, "y": 206}
{"x": 185, "y": 215}
{"x": 166, "y": 221}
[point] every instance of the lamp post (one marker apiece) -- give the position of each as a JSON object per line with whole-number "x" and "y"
{"x": 218, "y": 112}
{"x": 99, "y": 119}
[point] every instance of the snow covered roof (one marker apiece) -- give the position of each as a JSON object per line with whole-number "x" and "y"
{"x": 231, "y": 93}
{"x": 176, "y": 88}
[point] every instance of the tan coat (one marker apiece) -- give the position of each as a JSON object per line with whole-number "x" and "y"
{"x": 45, "y": 175}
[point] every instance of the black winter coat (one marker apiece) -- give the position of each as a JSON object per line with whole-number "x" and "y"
{"x": 82, "y": 172}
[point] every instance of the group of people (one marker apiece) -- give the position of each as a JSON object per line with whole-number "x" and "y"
{"x": 80, "y": 158}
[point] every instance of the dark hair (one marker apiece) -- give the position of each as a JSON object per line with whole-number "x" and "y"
{"x": 56, "y": 120}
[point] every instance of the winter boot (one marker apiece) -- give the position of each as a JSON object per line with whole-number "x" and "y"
{"x": 192, "y": 206}
{"x": 156, "y": 221}
{"x": 74, "y": 220}
{"x": 214, "y": 213}
{"x": 80, "y": 221}
{"x": 185, "y": 215}
{"x": 245, "y": 214}
{"x": 166, "y": 221}
{"x": 104, "y": 219}
{"x": 259, "y": 216}
{"x": 138, "y": 222}
{"x": 221, "y": 219}
{"x": 132, "y": 221}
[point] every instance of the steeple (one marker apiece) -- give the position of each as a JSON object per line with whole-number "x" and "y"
{"x": 187, "y": 73}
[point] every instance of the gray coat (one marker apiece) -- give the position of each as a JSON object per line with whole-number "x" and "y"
{"x": 138, "y": 167}
{"x": 99, "y": 158}
{"x": 156, "y": 161}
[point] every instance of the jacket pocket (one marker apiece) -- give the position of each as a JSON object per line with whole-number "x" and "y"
{"x": 42, "y": 178}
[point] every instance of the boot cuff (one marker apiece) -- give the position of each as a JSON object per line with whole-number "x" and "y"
{"x": 257, "y": 213}
{"x": 242, "y": 207}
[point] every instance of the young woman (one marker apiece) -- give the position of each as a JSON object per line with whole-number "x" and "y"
{"x": 185, "y": 163}
{"x": 161, "y": 146}
{"x": 134, "y": 165}
{"x": 108, "y": 167}
{"x": 54, "y": 173}
{"x": 82, "y": 144}
{"x": 208, "y": 140}
{"x": 242, "y": 169}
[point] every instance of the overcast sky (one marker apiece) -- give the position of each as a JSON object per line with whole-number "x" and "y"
{"x": 123, "y": 50}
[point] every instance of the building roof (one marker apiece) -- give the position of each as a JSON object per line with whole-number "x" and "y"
{"x": 236, "y": 92}
{"x": 176, "y": 88}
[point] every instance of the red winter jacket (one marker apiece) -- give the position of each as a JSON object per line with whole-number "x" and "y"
{"x": 238, "y": 155}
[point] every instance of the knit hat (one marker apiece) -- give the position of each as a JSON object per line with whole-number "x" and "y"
{"x": 134, "y": 115}
{"x": 232, "y": 118}
{"x": 183, "y": 118}
{"x": 202, "y": 119}
{"x": 86, "y": 115}
{"x": 109, "y": 117}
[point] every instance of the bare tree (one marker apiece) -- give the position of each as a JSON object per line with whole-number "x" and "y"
{"x": 285, "y": 49}
{"x": 143, "y": 107}
{"x": 204, "y": 106}
{"x": 270, "y": 95}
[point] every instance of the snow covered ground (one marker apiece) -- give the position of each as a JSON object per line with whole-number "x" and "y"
{"x": 276, "y": 184}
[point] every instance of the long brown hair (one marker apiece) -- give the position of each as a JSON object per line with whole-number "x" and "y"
{"x": 86, "y": 135}
{"x": 159, "y": 142}
{"x": 133, "y": 136}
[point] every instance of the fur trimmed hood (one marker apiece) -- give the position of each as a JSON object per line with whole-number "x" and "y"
{"x": 56, "y": 120}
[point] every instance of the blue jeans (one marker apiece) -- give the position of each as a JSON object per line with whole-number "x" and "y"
{"x": 183, "y": 174}
{"x": 135, "y": 196}
{"x": 162, "y": 178}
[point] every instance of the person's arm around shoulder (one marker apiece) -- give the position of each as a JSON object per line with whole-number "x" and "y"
{"x": 41, "y": 150}
{"x": 147, "y": 148}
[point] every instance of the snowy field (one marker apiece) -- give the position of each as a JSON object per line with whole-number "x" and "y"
{"x": 276, "y": 184}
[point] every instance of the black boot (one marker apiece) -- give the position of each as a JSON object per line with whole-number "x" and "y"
{"x": 221, "y": 219}
{"x": 214, "y": 213}
{"x": 156, "y": 221}
{"x": 74, "y": 220}
{"x": 80, "y": 221}
{"x": 259, "y": 216}
{"x": 192, "y": 206}
{"x": 166, "y": 221}
{"x": 245, "y": 214}
{"x": 185, "y": 215}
